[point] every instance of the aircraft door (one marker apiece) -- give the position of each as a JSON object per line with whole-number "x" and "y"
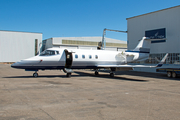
{"x": 69, "y": 59}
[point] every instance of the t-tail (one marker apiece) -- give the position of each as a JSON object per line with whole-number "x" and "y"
{"x": 142, "y": 50}
{"x": 143, "y": 46}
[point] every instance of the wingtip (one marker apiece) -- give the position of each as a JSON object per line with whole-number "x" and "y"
{"x": 162, "y": 61}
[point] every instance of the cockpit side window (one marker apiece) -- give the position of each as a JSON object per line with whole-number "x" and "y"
{"x": 52, "y": 52}
{"x": 49, "y": 53}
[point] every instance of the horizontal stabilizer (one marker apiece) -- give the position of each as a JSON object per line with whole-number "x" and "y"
{"x": 162, "y": 61}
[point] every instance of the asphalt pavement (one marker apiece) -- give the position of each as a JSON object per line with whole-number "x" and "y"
{"x": 52, "y": 96}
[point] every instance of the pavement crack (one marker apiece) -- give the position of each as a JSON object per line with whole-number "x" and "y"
{"x": 47, "y": 114}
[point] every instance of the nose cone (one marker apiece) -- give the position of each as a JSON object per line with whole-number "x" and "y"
{"x": 15, "y": 65}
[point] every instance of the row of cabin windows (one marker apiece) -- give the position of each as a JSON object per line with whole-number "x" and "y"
{"x": 83, "y": 56}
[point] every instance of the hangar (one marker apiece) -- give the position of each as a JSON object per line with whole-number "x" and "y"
{"x": 163, "y": 27}
{"x": 83, "y": 43}
{"x": 15, "y": 46}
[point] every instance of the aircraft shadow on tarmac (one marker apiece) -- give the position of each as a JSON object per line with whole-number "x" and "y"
{"x": 106, "y": 76}
{"x": 131, "y": 73}
{"x": 84, "y": 74}
{"x": 40, "y": 76}
{"x": 81, "y": 74}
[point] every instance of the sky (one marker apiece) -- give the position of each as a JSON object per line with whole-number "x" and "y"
{"x": 75, "y": 18}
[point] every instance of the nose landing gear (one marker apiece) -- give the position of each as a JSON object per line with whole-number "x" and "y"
{"x": 68, "y": 75}
{"x": 35, "y": 74}
{"x": 68, "y": 71}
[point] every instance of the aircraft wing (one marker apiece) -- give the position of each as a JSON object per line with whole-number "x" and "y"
{"x": 124, "y": 66}
{"x": 134, "y": 66}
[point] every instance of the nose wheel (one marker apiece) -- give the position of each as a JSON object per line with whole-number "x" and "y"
{"x": 35, "y": 74}
{"x": 68, "y": 75}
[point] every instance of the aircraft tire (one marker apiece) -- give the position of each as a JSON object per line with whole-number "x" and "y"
{"x": 68, "y": 75}
{"x": 96, "y": 73}
{"x": 35, "y": 75}
{"x": 111, "y": 74}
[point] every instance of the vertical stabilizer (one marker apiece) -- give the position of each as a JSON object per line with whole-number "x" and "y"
{"x": 143, "y": 46}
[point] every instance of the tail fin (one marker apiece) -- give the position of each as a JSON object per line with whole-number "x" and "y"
{"x": 143, "y": 46}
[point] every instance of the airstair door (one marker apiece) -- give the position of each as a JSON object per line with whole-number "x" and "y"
{"x": 69, "y": 59}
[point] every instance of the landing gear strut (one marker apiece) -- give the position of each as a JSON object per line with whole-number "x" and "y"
{"x": 112, "y": 72}
{"x": 35, "y": 74}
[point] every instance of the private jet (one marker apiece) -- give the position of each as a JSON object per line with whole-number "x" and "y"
{"x": 68, "y": 59}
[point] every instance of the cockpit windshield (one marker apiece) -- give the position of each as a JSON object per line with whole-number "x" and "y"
{"x": 49, "y": 53}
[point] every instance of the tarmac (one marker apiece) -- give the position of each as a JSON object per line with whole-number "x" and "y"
{"x": 52, "y": 96}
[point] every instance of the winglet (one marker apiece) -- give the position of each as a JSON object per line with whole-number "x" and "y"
{"x": 162, "y": 61}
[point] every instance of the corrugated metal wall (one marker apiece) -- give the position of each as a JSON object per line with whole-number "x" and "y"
{"x": 15, "y": 46}
{"x": 167, "y": 18}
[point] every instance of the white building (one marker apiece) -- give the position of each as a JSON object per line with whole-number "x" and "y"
{"x": 15, "y": 46}
{"x": 163, "y": 25}
{"x": 83, "y": 43}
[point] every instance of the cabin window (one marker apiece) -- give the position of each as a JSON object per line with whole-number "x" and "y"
{"x": 83, "y": 56}
{"x": 90, "y": 56}
{"x": 96, "y": 56}
{"x": 76, "y": 56}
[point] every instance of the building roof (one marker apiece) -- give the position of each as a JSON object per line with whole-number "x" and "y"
{"x": 153, "y": 12}
{"x": 19, "y": 31}
{"x": 85, "y": 41}
{"x": 92, "y": 39}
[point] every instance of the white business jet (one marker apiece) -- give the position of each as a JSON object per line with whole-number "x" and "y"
{"x": 68, "y": 59}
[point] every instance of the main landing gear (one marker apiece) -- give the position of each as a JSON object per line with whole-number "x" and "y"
{"x": 35, "y": 74}
{"x": 96, "y": 72}
{"x": 111, "y": 73}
